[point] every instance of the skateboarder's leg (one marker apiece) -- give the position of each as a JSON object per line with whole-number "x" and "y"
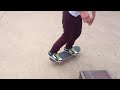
{"x": 77, "y": 28}
{"x": 58, "y": 44}
{"x": 65, "y": 36}
{"x": 69, "y": 47}
{"x": 68, "y": 32}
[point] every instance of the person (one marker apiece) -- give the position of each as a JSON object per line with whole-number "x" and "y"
{"x": 72, "y": 28}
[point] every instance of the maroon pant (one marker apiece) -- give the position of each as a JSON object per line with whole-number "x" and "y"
{"x": 72, "y": 29}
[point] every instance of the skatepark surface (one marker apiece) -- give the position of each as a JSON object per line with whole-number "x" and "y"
{"x": 26, "y": 37}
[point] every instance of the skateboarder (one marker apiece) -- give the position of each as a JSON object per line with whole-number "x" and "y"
{"x": 72, "y": 25}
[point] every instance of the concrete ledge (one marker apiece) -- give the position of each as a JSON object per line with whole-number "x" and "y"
{"x": 96, "y": 74}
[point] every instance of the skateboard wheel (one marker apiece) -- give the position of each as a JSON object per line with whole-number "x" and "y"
{"x": 59, "y": 62}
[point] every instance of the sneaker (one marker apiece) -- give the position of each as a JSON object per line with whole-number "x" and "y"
{"x": 71, "y": 51}
{"x": 55, "y": 57}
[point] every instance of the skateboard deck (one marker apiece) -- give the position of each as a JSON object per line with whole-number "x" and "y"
{"x": 64, "y": 55}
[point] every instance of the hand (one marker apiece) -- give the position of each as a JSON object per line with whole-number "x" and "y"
{"x": 85, "y": 16}
{"x": 92, "y": 18}
{"x": 91, "y": 21}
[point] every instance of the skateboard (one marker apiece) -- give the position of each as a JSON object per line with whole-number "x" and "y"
{"x": 64, "y": 55}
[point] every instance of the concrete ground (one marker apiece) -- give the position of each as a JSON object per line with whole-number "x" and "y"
{"x": 26, "y": 38}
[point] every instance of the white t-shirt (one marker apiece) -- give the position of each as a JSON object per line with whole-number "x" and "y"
{"x": 74, "y": 13}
